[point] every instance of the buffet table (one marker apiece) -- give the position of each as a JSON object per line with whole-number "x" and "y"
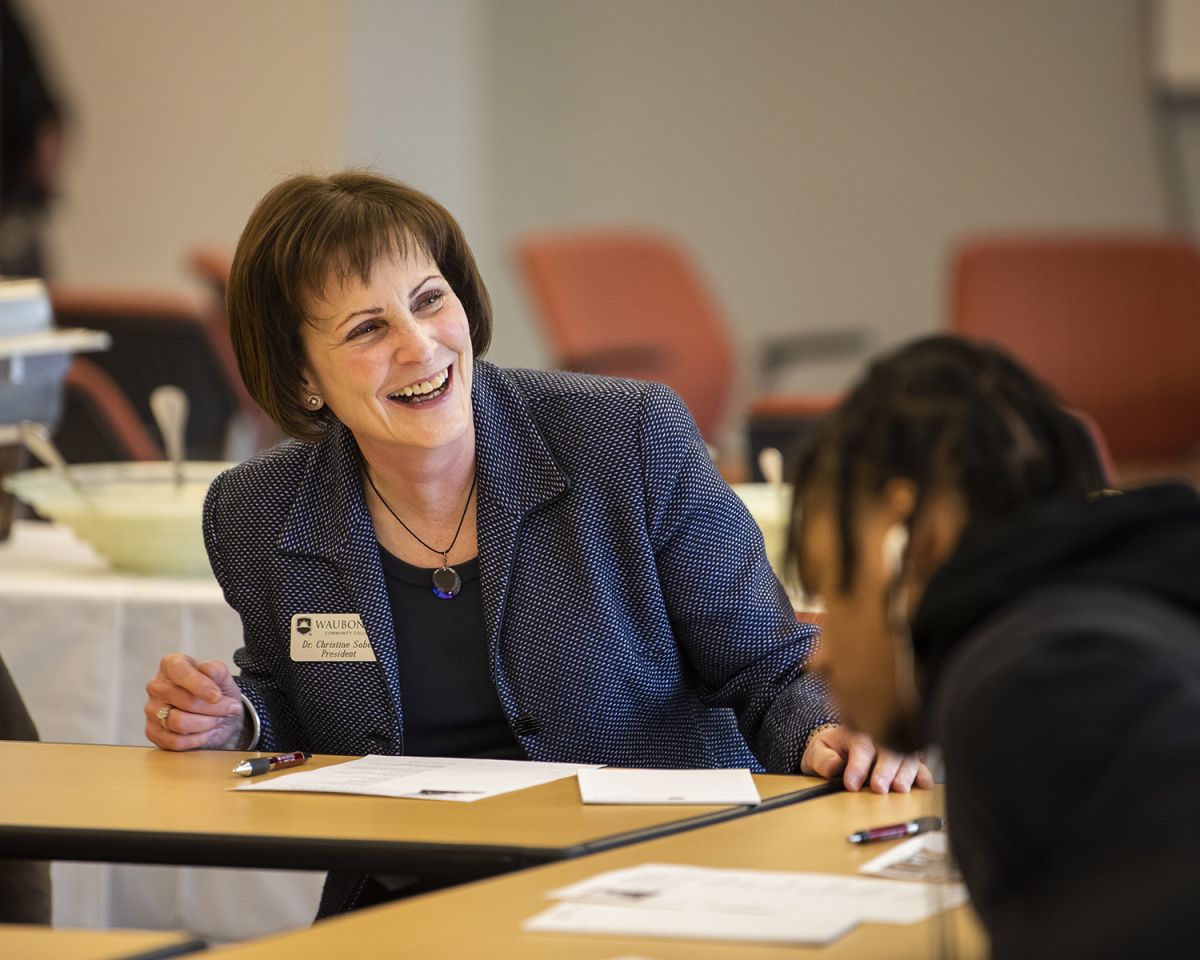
{"x": 81, "y": 640}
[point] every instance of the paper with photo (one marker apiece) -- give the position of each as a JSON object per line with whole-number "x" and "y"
{"x": 925, "y": 857}
{"x": 624, "y": 785}
{"x": 419, "y": 778}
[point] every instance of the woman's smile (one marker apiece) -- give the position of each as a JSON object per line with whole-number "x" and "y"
{"x": 424, "y": 391}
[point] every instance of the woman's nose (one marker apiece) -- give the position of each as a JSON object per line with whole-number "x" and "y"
{"x": 412, "y": 341}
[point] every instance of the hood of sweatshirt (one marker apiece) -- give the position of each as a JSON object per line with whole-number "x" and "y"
{"x": 1147, "y": 538}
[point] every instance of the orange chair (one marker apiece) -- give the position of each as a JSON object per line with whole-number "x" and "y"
{"x": 1111, "y": 321}
{"x": 629, "y": 303}
{"x": 211, "y": 265}
{"x": 98, "y": 422}
{"x": 158, "y": 338}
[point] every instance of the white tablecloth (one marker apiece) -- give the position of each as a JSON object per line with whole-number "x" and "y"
{"x": 81, "y": 640}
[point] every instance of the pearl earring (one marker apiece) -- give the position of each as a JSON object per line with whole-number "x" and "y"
{"x": 314, "y": 402}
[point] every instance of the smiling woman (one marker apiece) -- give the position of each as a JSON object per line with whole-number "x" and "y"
{"x": 541, "y": 565}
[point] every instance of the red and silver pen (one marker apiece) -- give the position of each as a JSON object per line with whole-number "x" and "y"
{"x": 256, "y": 765}
{"x": 895, "y": 830}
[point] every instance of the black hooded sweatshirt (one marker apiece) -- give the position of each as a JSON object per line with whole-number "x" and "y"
{"x": 1059, "y": 655}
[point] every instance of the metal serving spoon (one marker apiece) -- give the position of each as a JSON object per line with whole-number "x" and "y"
{"x": 36, "y": 438}
{"x": 770, "y": 463}
{"x": 169, "y": 404}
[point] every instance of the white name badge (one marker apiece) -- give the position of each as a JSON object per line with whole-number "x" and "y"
{"x": 329, "y": 637}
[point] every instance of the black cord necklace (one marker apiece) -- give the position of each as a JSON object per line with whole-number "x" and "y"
{"x": 446, "y": 581}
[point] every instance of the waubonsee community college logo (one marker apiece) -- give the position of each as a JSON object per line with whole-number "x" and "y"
{"x": 304, "y": 625}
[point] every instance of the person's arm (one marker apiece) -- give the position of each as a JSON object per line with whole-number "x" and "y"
{"x": 267, "y": 706}
{"x": 732, "y": 618}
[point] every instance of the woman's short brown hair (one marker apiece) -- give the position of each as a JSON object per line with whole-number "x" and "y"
{"x": 309, "y": 230}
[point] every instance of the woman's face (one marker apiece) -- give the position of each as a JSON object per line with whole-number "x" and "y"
{"x": 392, "y": 358}
{"x": 858, "y": 652}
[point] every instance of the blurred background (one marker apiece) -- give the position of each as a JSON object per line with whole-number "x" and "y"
{"x": 817, "y": 159}
{"x": 821, "y": 164}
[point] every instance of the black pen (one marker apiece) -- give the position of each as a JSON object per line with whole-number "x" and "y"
{"x": 256, "y": 765}
{"x": 894, "y": 830}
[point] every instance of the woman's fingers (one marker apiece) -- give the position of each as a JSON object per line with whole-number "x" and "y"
{"x": 182, "y": 671}
{"x": 899, "y": 772}
{"x": 906, "y": 776}
{"x": 218, "y": 673}
{"x": 198, "y": 688}
{"x": 835, "y": 750}
{"x": 860, "y": 757}
{"x": 825, "y": 755}
{"x": 174, "y": 728}
{"x": 192, "y": 705}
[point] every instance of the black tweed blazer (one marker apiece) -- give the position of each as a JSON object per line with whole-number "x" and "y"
{"x": 631, "y": 614}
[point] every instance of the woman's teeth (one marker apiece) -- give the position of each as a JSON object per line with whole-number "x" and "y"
{"x": 425, "y": 390}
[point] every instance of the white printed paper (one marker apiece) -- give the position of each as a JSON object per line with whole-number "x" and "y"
{"x": 620, "y": 785}
{"x": 802, "y": 926}
{"x": 763, "y": 893}
{"x": 419, "y": 778}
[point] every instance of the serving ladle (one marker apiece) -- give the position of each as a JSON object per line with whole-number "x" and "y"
{"x": 36, "y": 438}
{"x": 770, "y": 464}
{"x": 169, "y": 404}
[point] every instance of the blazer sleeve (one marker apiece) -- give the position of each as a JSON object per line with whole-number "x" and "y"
{"x": 280, "y": 727}
{"x": 731, "y": 616}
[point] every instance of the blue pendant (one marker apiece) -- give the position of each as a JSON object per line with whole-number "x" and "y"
{"x": 446, "y": 583}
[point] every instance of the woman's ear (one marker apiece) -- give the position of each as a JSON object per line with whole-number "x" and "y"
{"x": 309, "y": 396}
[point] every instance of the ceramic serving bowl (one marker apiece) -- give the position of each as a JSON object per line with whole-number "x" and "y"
{"x": 770, "y": 505}
{"x": 135, "y": 515}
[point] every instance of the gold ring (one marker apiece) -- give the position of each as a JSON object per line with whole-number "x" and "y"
{"x": 163, "y": 712}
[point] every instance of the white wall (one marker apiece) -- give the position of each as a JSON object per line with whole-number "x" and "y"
{"x": 416, "y": 106}
{"x": 184, "y": 114}
{"x": 817, "y": 156}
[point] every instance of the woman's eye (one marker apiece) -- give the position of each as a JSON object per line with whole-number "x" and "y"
{"x": 430, "y": 299}
{"x": 361, "y": 329}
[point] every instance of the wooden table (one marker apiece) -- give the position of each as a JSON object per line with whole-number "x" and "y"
{"x": 143, "y": 805}
{"x": 81, "y": 639}
{"x": 483, "y": 919}
{"x": 18, "y": 942}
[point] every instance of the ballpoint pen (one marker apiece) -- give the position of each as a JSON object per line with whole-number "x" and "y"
{"x": 894, "y": 830}
{"x": 256, "y": 765}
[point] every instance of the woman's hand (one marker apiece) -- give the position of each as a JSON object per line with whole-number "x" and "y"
{"x": 834, "y": 750}
{"x": 204, "y": 701}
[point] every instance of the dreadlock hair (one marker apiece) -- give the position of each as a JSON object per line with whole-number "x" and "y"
{"x": 949, "y": 414}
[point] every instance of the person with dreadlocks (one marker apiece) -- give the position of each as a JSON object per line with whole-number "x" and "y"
{"x": 985, "y": 593}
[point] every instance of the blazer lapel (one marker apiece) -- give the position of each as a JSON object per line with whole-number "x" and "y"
{"x": 517, "y": 474}
{"x": 329, "y": 520}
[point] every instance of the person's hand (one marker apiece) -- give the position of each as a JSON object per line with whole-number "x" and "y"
{"x": 834, "y": 750}
{"x": 204, "y": 701}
